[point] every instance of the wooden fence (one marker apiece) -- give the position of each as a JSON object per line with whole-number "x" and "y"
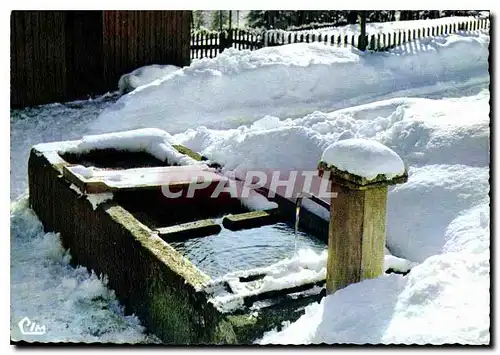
{"x": 65, "y": 55}
{"x": 209, "y": 45}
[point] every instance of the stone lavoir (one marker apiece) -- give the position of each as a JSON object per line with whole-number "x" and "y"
{"x": 104, "y": 195}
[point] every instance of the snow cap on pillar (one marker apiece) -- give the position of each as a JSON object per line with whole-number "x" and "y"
{"x": 362, "y": 164}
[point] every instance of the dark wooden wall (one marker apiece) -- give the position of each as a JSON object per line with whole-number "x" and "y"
{"x": 136, "y": 38}
{"x": 37, "y": 49}
{"x": 66, "y": 55}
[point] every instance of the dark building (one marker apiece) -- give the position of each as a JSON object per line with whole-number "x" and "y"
{"x": 66, "y": 55}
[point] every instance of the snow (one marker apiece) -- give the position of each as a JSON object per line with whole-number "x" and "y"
{"x": 73, "y": 304}
{"x": 434, "y": 197}
{"x": 84, "y": 172}
{"x": 304, "y": 268}
{"x": 389, "y": 27}
{"x": 444, "y": 300}
{"x": 143, "y": 76}
{"x": 257, "y": 202}
{"x": 280, "y": 108}
{"x": 364, "y": 158}
{"x": 240, "y": 87}
{"x": 97, "y": 199}
{"x": 151, "y": 140}
{"x": 47, "y": 123}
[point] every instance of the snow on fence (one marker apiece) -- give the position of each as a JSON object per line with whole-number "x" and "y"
{"x": 211, "y": 44}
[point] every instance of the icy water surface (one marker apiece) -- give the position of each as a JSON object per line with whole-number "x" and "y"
{"x": 228, "y": 251}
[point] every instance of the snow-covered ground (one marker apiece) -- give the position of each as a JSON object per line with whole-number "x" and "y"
{"x": 73, "y": 304}
{"x": 240, "y": 87}
{"x": 280, "y": 108}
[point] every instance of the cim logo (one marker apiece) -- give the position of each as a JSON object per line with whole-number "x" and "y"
{"x": 28, "y": 327}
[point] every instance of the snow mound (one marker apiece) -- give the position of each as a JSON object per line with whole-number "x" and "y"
{"x": 365, "y": 158}
{"x": 73, "y": 304}
{"x": 420, "y": 211}
{"x": 292, "y": 80}
{"x": 443, "y": 300}
{"x": 143, "y": 76}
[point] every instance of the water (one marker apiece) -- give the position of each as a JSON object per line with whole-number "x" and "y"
{"x": 229, "y": 251}
{"x": 298, "y": 203}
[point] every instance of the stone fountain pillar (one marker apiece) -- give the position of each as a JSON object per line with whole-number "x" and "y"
{"x": 360, "y": 172}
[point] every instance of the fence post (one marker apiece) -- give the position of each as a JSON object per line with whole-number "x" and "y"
{"x": 362, "y": 36}
{"x": 222, "y": 41}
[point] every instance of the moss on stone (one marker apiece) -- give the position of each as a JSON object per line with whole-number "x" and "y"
{"x": 186, "y": 151}
{"x": 248, "y": 220}
{"x": 357, "y": 182}
{"x": 167, "y": 254}
{"x": 194, "y": 229}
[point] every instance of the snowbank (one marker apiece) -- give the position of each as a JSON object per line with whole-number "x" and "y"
{"x": 73, "y": 304}
{"x": 444, "y": 300}
{"x": 239, "y": 87}
{"x": 420, "y": 211}
{"x": 143, "y": 76}
{"x": 363, "y": 157}
{"x": 420, "y": 131}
